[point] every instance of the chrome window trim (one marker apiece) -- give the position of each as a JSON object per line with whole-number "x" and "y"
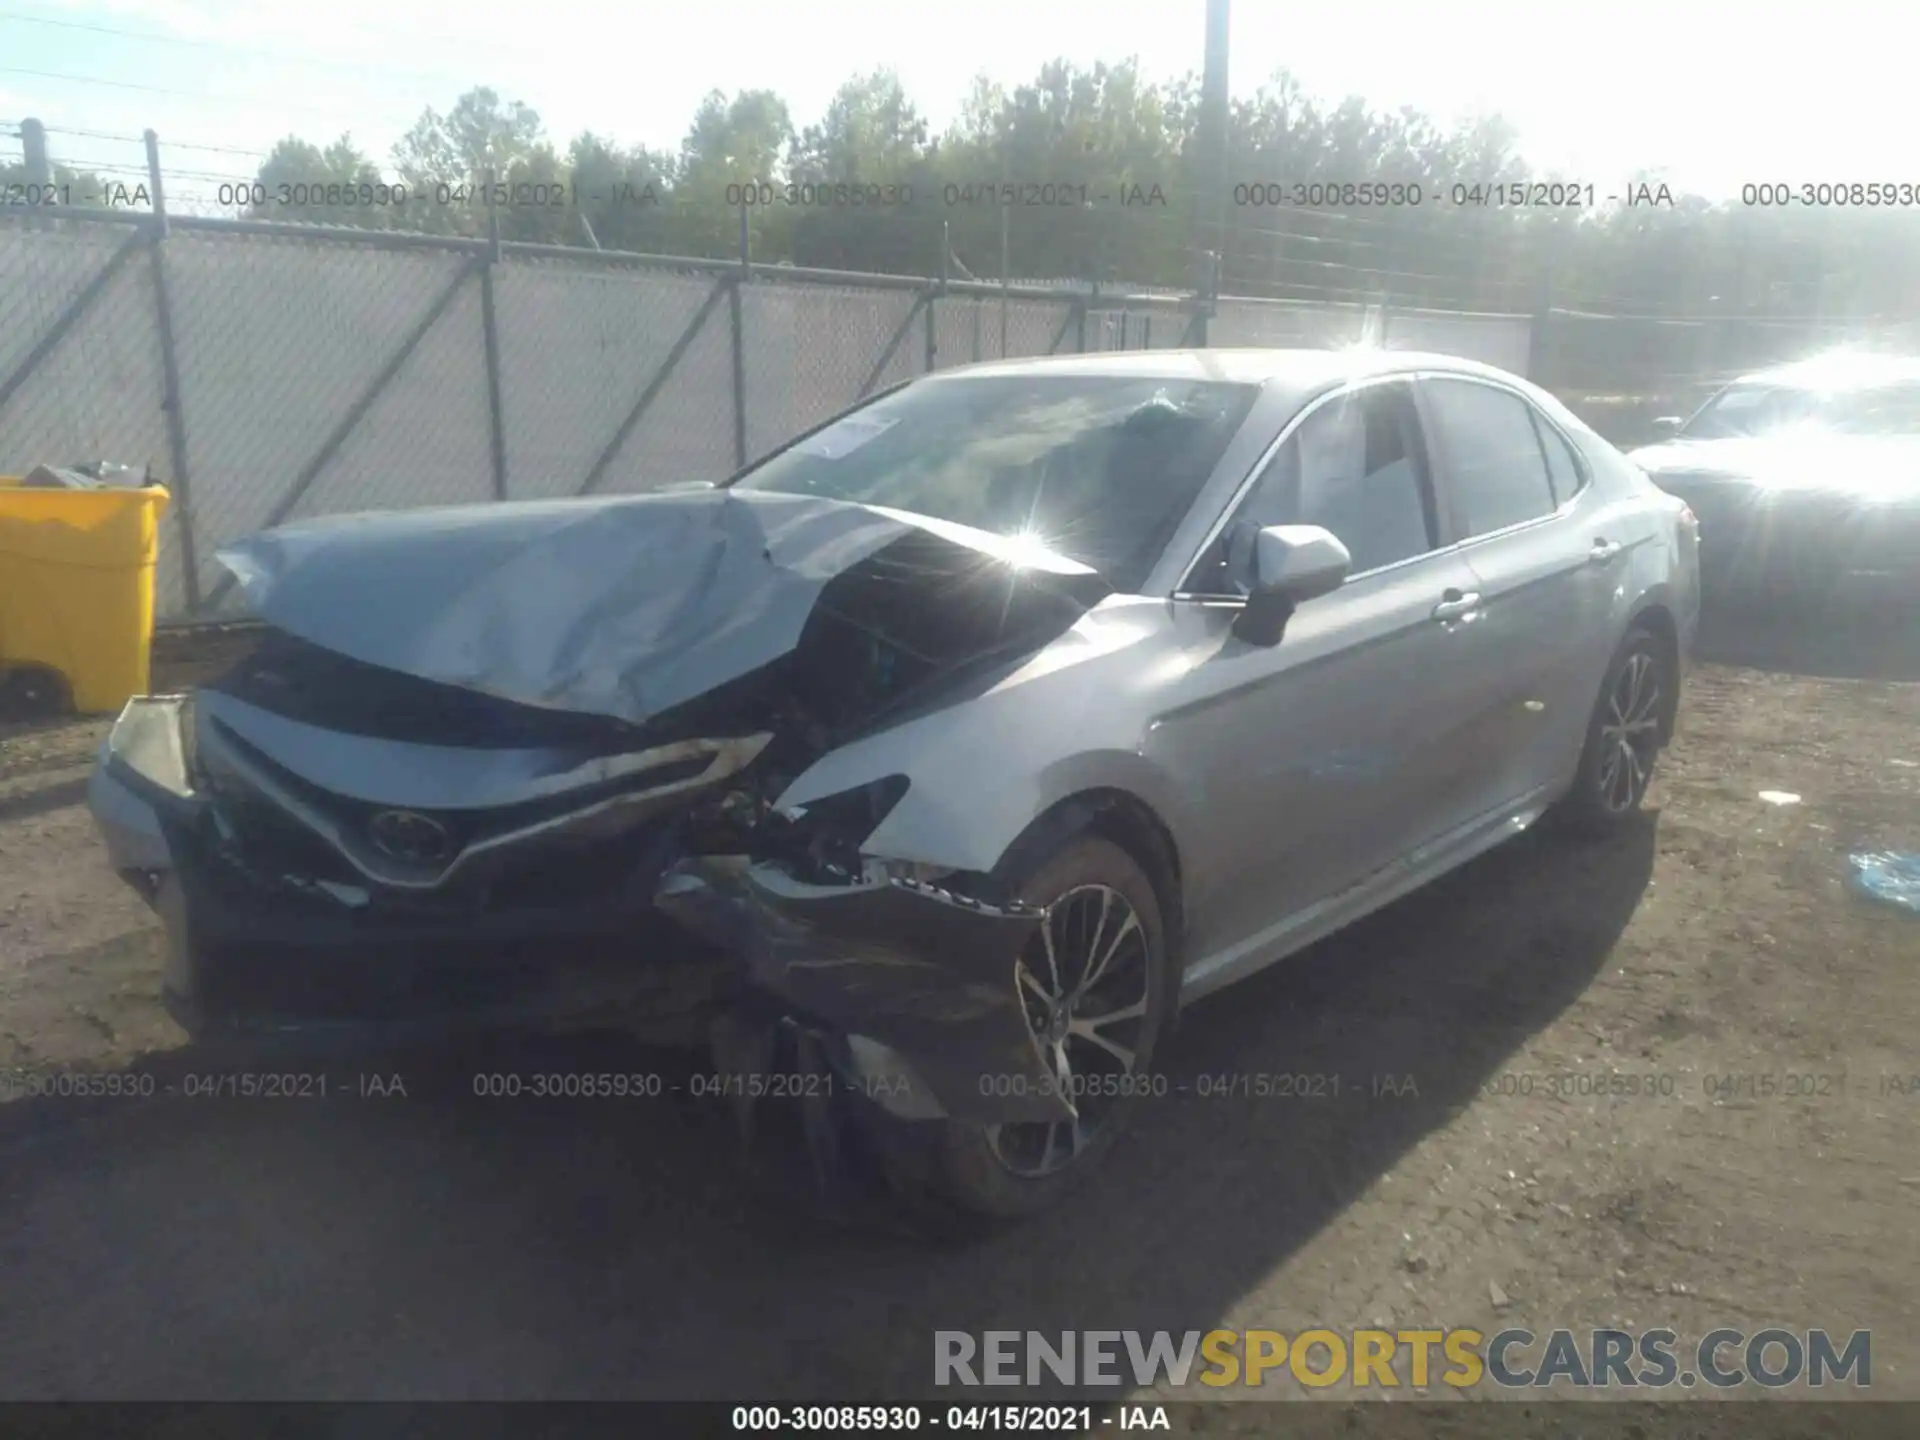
{"x": 1259, "y": 467}
{"x": 1213, "y": 598}
{"x": 1439, "y": 482}
{"x": 1561, "y": 508}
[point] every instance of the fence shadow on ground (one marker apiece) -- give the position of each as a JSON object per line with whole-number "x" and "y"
{"x": 458, "y": 1247}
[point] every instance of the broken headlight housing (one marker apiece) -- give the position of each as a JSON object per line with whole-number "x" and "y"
{"x": 153, "y": 737}
{"x": 820, "y": 841}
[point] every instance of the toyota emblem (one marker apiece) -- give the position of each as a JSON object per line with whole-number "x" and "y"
{"x": 410, "y": 837}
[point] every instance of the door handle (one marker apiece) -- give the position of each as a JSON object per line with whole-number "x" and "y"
{"x": 1603, "y": 550}
{"x": 1457, "y": 606}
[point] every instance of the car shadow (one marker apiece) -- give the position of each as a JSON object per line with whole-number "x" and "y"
{"x": 447, "y": 1246}
{"x": 1840, "y": 644}
{"x": 28, "y": 803}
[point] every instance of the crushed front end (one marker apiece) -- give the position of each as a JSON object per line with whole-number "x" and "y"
{"x": 344, "y": 851}
{"x": 296, "y": 912}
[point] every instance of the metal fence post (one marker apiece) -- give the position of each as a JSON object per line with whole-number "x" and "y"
{"x": 33, "y": 151}
{"x": 1004, "y": 279}
{"x": 1539, "y": 328}
{"x": 1081, "y": 305}
{"x": 940, "y": 288}
{"x": 1206, "y": 299}
{"x": 737, "y": 322}
{"x": 170, "y": 380}
{"x": 490, "y": 333}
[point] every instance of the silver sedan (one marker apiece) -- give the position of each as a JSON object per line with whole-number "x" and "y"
{"x": 923, "y": 770}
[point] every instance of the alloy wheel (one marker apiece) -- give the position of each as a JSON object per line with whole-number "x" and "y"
{"x": 1629, "y": 733}
{"x": 1084, "y": 982}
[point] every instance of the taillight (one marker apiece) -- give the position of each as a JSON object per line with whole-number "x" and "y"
{"x": 1688, "y": 520}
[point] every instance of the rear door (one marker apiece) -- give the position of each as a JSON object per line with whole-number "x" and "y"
{"x": 1515, "y": 495}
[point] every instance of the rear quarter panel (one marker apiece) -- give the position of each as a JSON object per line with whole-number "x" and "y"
{"x": 1662, "y": 569}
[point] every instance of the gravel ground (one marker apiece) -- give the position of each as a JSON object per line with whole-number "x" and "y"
{"x": 439, "y": 1247}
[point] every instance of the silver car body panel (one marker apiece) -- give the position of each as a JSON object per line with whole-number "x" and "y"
{"x": 723, "y": 758}
{"x": 623, "y": 607}
{"x": 404, "y": 773}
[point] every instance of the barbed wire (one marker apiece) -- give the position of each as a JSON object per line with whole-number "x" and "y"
{"x": 260, "y": 102}
{"x": 225, "y": 47}
{"x": 1348, "y": 259}
{"x": 172, "y": 144}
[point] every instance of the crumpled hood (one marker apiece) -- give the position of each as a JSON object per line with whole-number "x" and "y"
{"x": 1871, "y": 466}
{"x": 624, "y": 606}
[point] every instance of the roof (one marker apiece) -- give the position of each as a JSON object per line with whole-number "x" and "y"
{"x": 1302, "y": 368}
{"x": 1840, "y": 370}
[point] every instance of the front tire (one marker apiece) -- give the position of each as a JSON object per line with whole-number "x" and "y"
{"x": 1096, "y": 985}
{"x": 1630, "y": 723}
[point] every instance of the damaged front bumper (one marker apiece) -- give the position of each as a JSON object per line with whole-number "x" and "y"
{"x": 917, "y": 981}
{"x": 908, "y": 987}
{"x": 261, "y": 959}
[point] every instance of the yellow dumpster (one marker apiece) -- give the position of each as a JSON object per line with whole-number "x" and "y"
{"x": 76, "y": 590}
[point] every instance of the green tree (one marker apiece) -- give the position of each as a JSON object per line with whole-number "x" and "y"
{"x": 1098, "y": 149}
{"x": 78, "y": 188}
{"x": 733, "y": 148}
{"x": 338, "y": 185}
{"x": 450, "y": 158}
{"x": 1750, "y": 269}
{"x": 624, "y": 196}
{"x": 873, "y": 140}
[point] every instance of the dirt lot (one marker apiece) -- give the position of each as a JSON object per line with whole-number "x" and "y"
{"x": 435, "y": 1246}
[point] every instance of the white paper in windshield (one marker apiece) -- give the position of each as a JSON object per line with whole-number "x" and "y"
{"x": 843, "y": 437}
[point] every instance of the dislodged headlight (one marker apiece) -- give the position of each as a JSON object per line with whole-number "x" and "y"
{"x": 822, "y": 838}
{"x": 150, "y": 738}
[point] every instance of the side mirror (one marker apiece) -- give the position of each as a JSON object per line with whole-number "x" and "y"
{"x": 1291, "y": 564}
{"x": 1668, "y": 426}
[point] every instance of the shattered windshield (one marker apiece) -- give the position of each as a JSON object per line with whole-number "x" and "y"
{"x": 1098, "y": 468}
{"x": 1742, "y": 411}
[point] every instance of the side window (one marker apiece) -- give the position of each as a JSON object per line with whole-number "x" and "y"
{"x": 1354, "y": 467}
{"x": 1497, "y": 471}
{"x": 1563, "y": 467}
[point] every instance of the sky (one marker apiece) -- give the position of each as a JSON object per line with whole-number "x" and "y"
{"x": 1717, "y": 95}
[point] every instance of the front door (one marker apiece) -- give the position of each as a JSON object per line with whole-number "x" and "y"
{"x": 1326, "y": 757}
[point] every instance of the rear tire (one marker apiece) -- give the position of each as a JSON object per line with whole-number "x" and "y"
{"x": 1628, "y": 729}
{"x": 1101, "y": 902}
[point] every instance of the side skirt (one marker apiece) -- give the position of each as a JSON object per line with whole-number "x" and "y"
{"x": 1295, "y": 932}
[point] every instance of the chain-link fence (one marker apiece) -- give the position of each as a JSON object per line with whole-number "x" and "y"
{"x": 270, "y": 372}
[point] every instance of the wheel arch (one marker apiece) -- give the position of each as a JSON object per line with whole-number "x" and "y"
{"x": 1127, "y": 821}
{"x": 1658, "y": 621}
